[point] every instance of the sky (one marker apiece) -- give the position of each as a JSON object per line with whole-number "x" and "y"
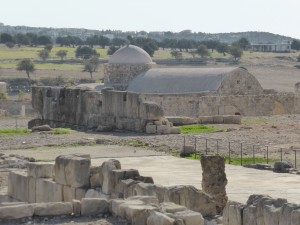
{"x": 209, "y": 16}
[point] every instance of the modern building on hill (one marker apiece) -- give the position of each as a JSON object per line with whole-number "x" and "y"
{"x": 278, "y": 47}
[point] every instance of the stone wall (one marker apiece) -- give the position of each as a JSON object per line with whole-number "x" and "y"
{"x": 105, "y": 110}
{"x": 196, "y": 105}
{"x": 119, "y": 75}
{"x": 261, "y": 210}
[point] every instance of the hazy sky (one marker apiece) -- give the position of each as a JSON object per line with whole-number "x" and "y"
{"x": 209, "y": 16}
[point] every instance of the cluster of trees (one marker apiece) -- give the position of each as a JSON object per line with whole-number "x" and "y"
{"x": 30, "y": 39}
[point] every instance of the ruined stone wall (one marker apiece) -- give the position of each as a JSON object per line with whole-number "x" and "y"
{"x": 119, "y": 75}
{"x": 91, "y": 109}
{"x": 196, "y": 105}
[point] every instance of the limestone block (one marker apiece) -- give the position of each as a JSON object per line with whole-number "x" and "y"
{"x": 108, "y": 180}
{"x": 151, "y": 111}
{"x": 249, "y": 215}
{"x": 286, "y": 212}
{"x": 232, "y": 214}
{"x": 174, "y": 130}
{"x": 157, "y": 122}
{"x": 76, "y": 207}
{"x": 125, "y": 188}
{"x": 150, "y": 129}
{"x": 191, "y": 198}
{"x": 53, "y": 209}
{"x": 145, "y": 179}
{"x": 72, "y": 170}
{"x": 118, "y": 206}
{"x": 92, "y": 193}
{"x": 295, "y": 217}
{"x": 170, "y": 207}
{"x": 18, "y": 185}
{"x": 31, "y": 190}
{"x": 157, "y": 218}
{"x": 271, "y": 215}
{"x": 70, "y": 193}
{"x": 232, "y": 119}
{"x": 95, "y": 180}
{"x": 145, "y": 189}
{"x": 218, "y": 119}
{"x": 16, "y": 211}
{"x": 48, "y": 191}
{"x": 40, "y": 170}
{"x": 206, "y": 119}
{"x": 93, "y": 206}
{"x": 138, "y": 214}
{"x": 148, "y": 200}
{"x": 80, "y": 193}
{"x": 189, "y": 217}
{"x": 163, "y": 129}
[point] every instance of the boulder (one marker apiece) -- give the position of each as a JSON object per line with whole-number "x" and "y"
{"x": 53, "y": 209}
{"x": 45, "y": 127}
{"x": 282, "y": 167}
{"x": 94, "y": 206}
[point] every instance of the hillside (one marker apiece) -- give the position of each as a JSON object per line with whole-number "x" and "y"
{"x": 252, "y": 36}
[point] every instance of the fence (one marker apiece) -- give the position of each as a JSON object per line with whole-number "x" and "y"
{"x": 241, "y": 153}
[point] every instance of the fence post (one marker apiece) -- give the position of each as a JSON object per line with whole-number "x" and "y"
{"x": 184, "y": 145}
{"x": 195, "y": 147}
{"x": 217, "y": 147}
{"x": 206, "y": 146}
{"x": 241, "y": 154}
{"x": 295, "y": 159}
{"x": 229, "y": 151}
{"x": 253, "y": 149}
{"x": 16, "y": 123}
{"x": 281, "y": 154}
{"x": 267, "y": 154}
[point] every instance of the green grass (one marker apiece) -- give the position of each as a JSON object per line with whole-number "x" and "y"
{"x": 196, "y": 129}
{"x": 237, "y": 161}
{"x": 14, "y": 132}
{"x": 61, "y": 131}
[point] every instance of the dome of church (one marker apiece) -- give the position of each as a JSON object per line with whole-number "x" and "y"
{"x": 132, "y": 55}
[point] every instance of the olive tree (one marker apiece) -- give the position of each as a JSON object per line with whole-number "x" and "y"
{"x": 26, "y": 65}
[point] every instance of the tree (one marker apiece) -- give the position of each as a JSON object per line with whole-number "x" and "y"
{"x": 222, "y": 48}
{"x": 118, "y": 42}
{"x": 103, "y": 41}
{"x": 10, "y": 44}
{"x": 85, "y": 52}
{"x": 202, "y": 50}
{"x": 296, "y": 44}
{"x": 48, "y": 47}
{"x": 111, "y": 50}
{"x": 62, "y": 54}
{"x": 44, "y": 54}
{"x": 91, "y": 65}
{"x": 26, "y": 65}
{"x": 176, "y": 54}
{"x": 44, "y": 40}
{"x": 32, "y": 38}
{"x": 236, "y": 52}
{"x": 21, "y": 39}
{"x": 5, "y": 37}
{"x": 243, "y": 43}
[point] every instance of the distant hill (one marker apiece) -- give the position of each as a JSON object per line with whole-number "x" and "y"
{"x": 252, "y": 36}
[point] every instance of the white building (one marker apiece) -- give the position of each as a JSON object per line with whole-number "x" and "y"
{"x": 278, "y": 47}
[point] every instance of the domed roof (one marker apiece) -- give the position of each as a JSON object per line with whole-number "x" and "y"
{"x": 130, "y": 54}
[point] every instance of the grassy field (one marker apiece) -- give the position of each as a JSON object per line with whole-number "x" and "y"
{"x": 196, "y": 129}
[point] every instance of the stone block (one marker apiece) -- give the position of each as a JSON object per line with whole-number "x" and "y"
{"x": 157, "y": 218}
{"x": 138, "y": 214}
{"x": 40, "y": 170}
{"x": 16, "y": 211}
{"x": 18, "y": 185}
{"x": 124, "y": 188}
{"x": 191, "y": 198}
{"x": 206, "y": 119}
{"x": 157, "y": 122}
{"x": 92, "y": 193}
{"x": 232, "y": 119}
{"x": 70, "y": 193}
{"x": 108, "y": 179}
{"x": 295, "y": 217}
{"x": 150, "y": 129}
{"x": 174, "y": 130}
{"x": 76, "y": 207}
{"x": 48, "y": 191}
{"x": 80, "y": 193}
{"x": 232, "y": 214}
{"x": 148, "y": 200}
{"x": 163, "y": 129}
{"x": 170, "y": 207}
{"x": 286, "y": 210}
{"x": 53, "y": 209}
{"x": 95, "y": 180}
{"x": 218, "y": 119}
{"x": 94, "y": 206}
{"x": 72, "y": 170}
{"x": 118, "y": 206}
{"x": 189, "y": 217}
{"x": 31, "y": 190}
{"x": 271, "y": 215}
{"x": 145, "y": 189}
